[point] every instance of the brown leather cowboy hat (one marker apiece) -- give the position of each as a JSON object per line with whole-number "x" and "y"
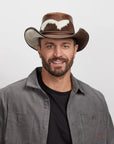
{"x": 56, "y": 26}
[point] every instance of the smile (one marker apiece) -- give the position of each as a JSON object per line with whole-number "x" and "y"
{"x": 58, "y": 62}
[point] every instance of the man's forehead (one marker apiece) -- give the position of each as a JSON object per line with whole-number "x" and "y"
{"x": 46, "y": 40}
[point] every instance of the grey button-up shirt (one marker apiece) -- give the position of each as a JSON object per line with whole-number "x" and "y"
{"x": 25, "y": 112}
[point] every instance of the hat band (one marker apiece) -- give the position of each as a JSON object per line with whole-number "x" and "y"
{"x": 57, "y": 32}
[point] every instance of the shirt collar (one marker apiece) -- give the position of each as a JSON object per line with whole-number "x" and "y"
{"x": 32, "y": 81}
{"x": 77, "y": 88}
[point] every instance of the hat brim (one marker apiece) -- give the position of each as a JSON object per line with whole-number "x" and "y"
{"x": 31, "y": 36}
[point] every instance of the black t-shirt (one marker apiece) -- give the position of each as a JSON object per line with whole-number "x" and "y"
{"x": 58, "y": 132}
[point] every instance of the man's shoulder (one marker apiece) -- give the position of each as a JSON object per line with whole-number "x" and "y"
{"x": 16, "y": 86}
{"x": 91, "y": 91}
{"x": 21, "y": 85}
{"x": 87, "y": 87}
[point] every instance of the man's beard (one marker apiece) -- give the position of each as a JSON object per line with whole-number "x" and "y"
{"x": 57, "y": 72}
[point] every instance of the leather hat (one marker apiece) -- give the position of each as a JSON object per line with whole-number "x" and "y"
{"x": 56, "y": 26}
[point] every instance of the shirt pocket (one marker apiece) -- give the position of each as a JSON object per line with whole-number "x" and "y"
{"x": 19, "y": 128}
{"x": 93, "y": 127}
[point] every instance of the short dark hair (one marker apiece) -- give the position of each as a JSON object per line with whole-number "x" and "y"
{"x": 39, "y": 41}
{"x": 74, "y": 39}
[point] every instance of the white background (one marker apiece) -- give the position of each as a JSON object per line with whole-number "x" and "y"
{"x": 94, "y": 65}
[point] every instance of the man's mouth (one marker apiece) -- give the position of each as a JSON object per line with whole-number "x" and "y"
{"x": 58, "y": 62}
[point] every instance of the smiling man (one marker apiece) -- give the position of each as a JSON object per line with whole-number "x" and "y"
{"x": 57, "y": 58}
{"x": 51, "y": 106}
{"x": 57, "y": 55}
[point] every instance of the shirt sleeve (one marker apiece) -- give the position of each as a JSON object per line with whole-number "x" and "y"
{"x": 109, "y": 124}
{"x": 2, "y": 120}
{"x": 110, "y": 130}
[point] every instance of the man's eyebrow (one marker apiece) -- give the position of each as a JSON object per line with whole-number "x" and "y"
{"x": 53, "y": 43}
{"x": 66, "y": 43}
{"x": 49, "y": 43}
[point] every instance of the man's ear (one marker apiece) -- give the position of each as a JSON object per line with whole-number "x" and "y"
{"x": 39, "y": 50}
{"x": 76, "y": 48}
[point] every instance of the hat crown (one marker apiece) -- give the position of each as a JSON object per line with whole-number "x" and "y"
{"x": 57, "y": 16}
{"x": 57, "y": 23}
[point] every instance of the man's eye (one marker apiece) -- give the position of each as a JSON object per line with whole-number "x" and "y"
{"x": 49, "y": 46}
{"x": 66, "y": 46}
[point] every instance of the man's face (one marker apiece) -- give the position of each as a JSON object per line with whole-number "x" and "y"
{"x": 57, "y": 55}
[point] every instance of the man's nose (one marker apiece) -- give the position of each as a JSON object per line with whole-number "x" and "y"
{"x": 57, "y": 51}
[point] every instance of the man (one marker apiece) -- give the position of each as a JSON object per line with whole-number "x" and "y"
{"x": 51, "y": 106}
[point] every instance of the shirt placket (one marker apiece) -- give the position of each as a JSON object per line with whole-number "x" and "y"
{"x": 45, "y": 124}
{"x": 74, "y": 122}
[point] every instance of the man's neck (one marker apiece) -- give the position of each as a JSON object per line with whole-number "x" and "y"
{"x": 61, "y": 84}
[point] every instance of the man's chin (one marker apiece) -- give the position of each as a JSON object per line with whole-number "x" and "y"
{"x": 58, "y": 72}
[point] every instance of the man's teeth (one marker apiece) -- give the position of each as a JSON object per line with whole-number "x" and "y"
{"x": 57, "y": 62}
